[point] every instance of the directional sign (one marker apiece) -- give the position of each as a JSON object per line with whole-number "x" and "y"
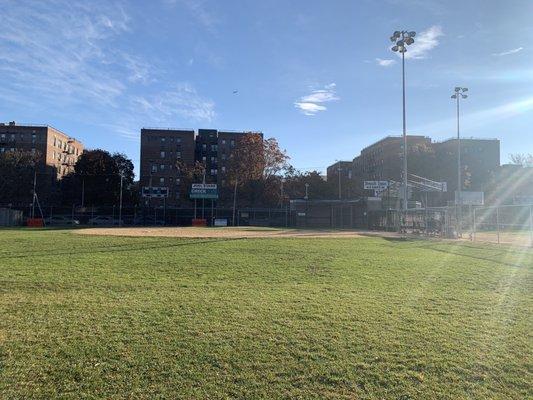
{"x": 154, "y": 191}
{"x": 376, "y": 185}
{"x": 204, "y": 191}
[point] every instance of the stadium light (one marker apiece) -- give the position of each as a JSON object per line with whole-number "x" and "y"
{"x": 401, "y": 40}
{"x": 458, "y": 95}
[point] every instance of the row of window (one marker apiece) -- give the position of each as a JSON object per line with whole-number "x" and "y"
{"x": 13, "y": 137}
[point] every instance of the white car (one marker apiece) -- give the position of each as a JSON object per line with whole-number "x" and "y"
{"x": 104, "y": 220}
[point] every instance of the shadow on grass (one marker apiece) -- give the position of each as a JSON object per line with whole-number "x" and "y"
{"x": 115, "y": 249}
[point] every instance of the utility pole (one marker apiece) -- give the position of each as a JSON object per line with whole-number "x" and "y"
{"x": 120, "y": 204}
{"x": 339, "y": 173}
{"x": 34, "y": 193}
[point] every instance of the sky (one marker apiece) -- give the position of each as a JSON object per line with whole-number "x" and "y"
{"x": 317, "y": 75}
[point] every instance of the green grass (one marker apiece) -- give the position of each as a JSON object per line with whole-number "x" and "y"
{"x": 366, "y": 318}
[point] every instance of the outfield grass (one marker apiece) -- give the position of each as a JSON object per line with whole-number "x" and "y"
{"x": 359, "y": 318}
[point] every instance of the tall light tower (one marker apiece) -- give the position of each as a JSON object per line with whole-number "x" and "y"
{"x": 401, "y": 40}
{"x": 459, "y": 93}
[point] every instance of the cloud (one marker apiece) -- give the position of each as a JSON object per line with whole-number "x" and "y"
{"x": 424, "y": 42}
{"x": 313, "y": 103}
{"x": 199, "y": 11}
{"x": 508, "y": 52}
{"x": 60, "y": 50}
{"x": 385, "y": 62}
{"x": 181, "y": 101}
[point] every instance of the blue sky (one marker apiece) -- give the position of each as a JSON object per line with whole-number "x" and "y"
{"x": 317, "y": 75}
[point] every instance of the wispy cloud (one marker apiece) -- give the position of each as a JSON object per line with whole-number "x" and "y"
{"x": 199, "y": 11}
{"x": 425, "y": 41}
{"x": 508, "y": 52}
{"x": 59, "y": 54}
{"x": 58, "y": 49}
{"x": 385, "y": 62}
{"x": 182, "y": 100}
{"x": 314, "y": 102}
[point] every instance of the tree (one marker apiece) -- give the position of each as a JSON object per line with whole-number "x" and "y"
{"x": 96, "y": 179}
{"x": 318, "y": 188}
{"x": 17, "y": 170}
{"x": 255, "y": 167}
{"x": 189, "y": 174}
{"x": 525, "y": 160}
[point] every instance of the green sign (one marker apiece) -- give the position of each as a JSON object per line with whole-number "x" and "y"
{"x": 204, "y": 191}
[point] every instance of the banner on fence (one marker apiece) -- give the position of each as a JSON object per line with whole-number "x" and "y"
{"x": 204, "y": 191}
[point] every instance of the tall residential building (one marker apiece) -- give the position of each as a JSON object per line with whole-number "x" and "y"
{"x": 161, "y": 149}
{"x": 57, "y": 151}
{"x": 383, "y": 160}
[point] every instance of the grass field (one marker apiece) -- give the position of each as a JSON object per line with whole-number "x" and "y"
{"x": 84, "y": 316}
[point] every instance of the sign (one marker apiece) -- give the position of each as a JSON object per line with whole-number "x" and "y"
{"x": 220, "y": 222}
{"x": 470, "y": 198}
{"x": 204, "y": 191}
{"x": 154, "y": 191}
{"x": 376, "y": 185}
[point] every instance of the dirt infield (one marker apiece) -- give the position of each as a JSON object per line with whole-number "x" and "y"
{"x": 237, "y": 232}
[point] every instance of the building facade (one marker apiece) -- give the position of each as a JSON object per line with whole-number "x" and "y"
{"x": 437, "y": 161}
{"x": 57, "y": 152}
{"x": 163, "y": 149}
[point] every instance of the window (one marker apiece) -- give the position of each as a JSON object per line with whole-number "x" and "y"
{"x": 213, "y": 159}
{"x": 214, "y": 172}
{"x": 204, "y": 159}
{"x": 223, "y": 156}
{"x": 12, "y": 137}
{"x": 178, "y": 154}
{"x": 223, "y": 170}
{"x": 204, "y": 147}
{"x": 162, "y": 139}
{"x": 161, "y": 181}
{"x": 178, "y": 181}
{"x": 154, "y": 168}
{"x": 162, "y": 167}
{"x": 33, "y": 137}
{"x": 214, "y": 147}
{"x": 178, "y": 140}
{"x": 162, "y": 154}
{"x": 3, "y": 136}
{"x": 223, "y": 141}
{"x": 232, "y": 143}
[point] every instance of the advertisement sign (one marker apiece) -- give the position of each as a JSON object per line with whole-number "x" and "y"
{"x": 204, "y": 191}
{"x": 376, "y": 185}
{"x": 154, "y": 191}
{"x": 220, "y": 222}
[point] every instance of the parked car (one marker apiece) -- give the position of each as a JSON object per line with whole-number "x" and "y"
{"x": 148, "y": 220}
{"x": 104, "y": 220}
{"x": 61, "y": 220}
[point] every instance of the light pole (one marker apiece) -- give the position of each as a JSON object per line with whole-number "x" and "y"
{"x": 401, "y": 40}
{"x": 339, "y": 173}
{"x": 120, "y": 205}
{"x": 459, "y": 93}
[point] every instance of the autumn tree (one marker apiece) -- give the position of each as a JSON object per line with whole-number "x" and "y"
{"x": 255, "y": 167}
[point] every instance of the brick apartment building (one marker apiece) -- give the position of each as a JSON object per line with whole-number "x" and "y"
{"x": 383, "y": 160}
{"x": 161, "y": 149}
{"x": 345, "y": 170}
{"x": 57, "y": 151}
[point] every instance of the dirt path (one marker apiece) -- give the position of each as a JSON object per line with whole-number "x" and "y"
{"x": 238, "y": 232}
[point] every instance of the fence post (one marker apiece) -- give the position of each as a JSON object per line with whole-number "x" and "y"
{"x": 531, "y": 226}
{"x": 474, "y": 226}
{"x": 498, "y": 222}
